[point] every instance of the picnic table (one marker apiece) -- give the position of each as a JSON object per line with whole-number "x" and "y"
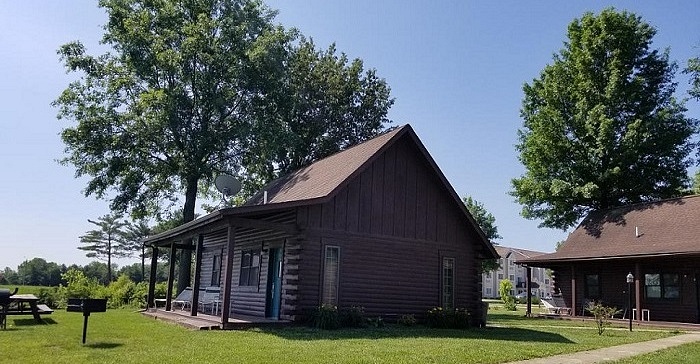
{"x": 27, "y": 304}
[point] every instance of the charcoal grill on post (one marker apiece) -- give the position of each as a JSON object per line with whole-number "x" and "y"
{"x": 4, "y": 302}
{"x": 86, "y": 306}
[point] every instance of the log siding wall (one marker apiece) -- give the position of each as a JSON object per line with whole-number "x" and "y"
{"x": 251, "y": 300}
{"x": 614, "y": 286}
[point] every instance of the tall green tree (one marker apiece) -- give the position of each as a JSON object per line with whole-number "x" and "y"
{"x": 39, "y": 272}
{"x": 487, "y": 223}
{"x": 134, "y": 235}
{"x": 324, "y": 103}
{"x": 693, "y": 69}
{"x": 105, "y": 242}
{"x": 601, "y": 127}
{"x": 189, "y": 90}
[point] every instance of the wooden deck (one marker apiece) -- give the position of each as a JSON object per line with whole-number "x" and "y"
{"x": 211, "y": 322}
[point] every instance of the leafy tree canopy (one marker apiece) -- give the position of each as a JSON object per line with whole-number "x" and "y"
{"x": 193, "y": 89}
{"x": 134, "y": 235}
{"x": 107, "y": 241}
{"x": 39, "y": 272}
{"x": 190, "y": 90}
{"x": 693, "y": 70}
{"x": 324, "y": 103}
{"x": 486, "y": 220}
{"x": 487, "y": 223}
{"x": 601, "y": 127}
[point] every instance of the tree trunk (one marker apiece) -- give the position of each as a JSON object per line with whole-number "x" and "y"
{"x": 185, "y": 264}
{"x": 109, "y": 261}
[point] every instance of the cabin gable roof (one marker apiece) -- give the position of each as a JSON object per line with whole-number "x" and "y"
{"x": 320, "y": 181}
{"x": 661, "y": 228}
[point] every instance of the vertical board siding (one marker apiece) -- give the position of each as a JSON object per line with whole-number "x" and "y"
{"x": 353, "y": 207}
{"x": 377, "y": 196}
{"x": 411, "y": 202}
{"x": 365, "y": 203}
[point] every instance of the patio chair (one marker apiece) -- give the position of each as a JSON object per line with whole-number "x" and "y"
{"x": 184, "y": 299}
{"x": 210, "y": 298}
{"x": 560, "y": 304}
{"x": 551, "y": 308}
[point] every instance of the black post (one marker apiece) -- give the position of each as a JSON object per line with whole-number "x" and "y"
{"x": 629, "y": 292}
{"x": 630, "y": 279}
{"x": 85, "y": 320}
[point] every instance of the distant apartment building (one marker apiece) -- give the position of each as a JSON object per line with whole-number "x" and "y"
{"x": 541, "y": 286}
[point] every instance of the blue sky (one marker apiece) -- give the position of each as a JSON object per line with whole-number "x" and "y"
{"x": 456, "y": 69}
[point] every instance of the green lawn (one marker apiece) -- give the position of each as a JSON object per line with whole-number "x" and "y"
{"x": 688, "y": 353}
{"x": 123, "y": 336}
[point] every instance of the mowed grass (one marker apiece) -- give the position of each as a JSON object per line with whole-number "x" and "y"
{"x": 124, "y": 336}
{"x": 687, "y": 353}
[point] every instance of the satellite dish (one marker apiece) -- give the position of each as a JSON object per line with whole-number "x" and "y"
{"x": 227, "y": 185}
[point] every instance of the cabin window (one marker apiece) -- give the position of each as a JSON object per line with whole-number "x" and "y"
{"x": 216, "y": 270}
{"x": 331, "y": 275}
{"x": 592, "y": 286}
{"x": 250, "y": 268}
{"x": 666, "y": 286}
{"x": 448, "y": 282}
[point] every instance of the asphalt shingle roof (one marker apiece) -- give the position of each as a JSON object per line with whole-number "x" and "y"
{"x": 667, "y": 227}
{"x": 322, "y": 177}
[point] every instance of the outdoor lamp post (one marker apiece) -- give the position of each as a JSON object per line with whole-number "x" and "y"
{"x": 630, "y": 279}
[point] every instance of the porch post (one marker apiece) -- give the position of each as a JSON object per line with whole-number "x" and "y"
{"x": 171, "y": 277}
{"x": 528, "y": 279}
{"x": 228, "y": 277}
{"x": 197, "y": 274}
{"x": 573, "y": 291}
{"x": 150, "y": 300}
{"x": 638, "y": 290}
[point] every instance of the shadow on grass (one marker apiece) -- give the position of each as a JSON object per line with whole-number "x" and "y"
{"x": 32, "y": 322}
{"x": 399, "y": 332}
{"x": 103, "y": 345}
{"x": 504, "y": 316}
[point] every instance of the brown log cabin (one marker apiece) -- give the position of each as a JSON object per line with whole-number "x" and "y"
{"x": 657, "y": 242}
{"x": 377, "y": 225}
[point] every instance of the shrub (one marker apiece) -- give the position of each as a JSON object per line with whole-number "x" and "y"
{"x": 79, "y": 286}
{"x": 509, "y": 303}
{"x": 120, "y": 292}
{"x": 326, "y": 317}
{"x": 602, "y": 314}
{"x": 440, "y": 318}
{"x": 407, "y": 320}
{"x": 352, "y": 316}
{"x": 504, "y": 289}
{"x": 535, "y": 300}
{"x": 50, "y": 297}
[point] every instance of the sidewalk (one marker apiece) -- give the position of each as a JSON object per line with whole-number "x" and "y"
{"x": 615, "y": 352}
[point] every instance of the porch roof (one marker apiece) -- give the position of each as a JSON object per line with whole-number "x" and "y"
{"x": 655, "y": 229}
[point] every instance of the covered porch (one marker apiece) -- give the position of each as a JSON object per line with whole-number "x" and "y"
{"x": 211, "y": 322}
{"x": 255, "y": 245}
{"x": 648, "y": 288}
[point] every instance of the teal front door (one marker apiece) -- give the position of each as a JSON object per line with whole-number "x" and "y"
{"x": 274, "y": 284}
